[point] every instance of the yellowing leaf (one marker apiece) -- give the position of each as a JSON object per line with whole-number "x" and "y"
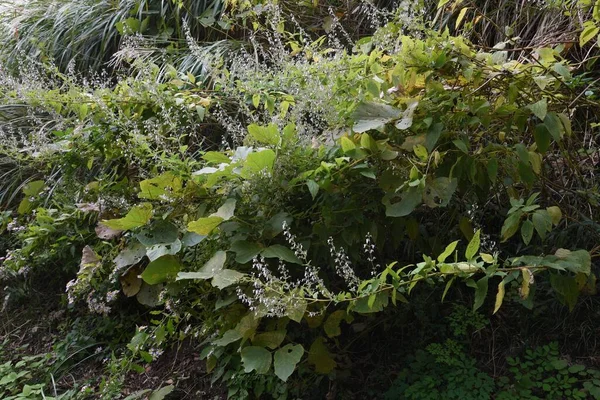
{"x": 347, "y": 144}
{"x": 319, "y": 356}
{"x": 590, "y": 31}
{"x": 204, "y": 226}
{"x": 499, "y": 297}
{"x": 136, "y": 217}
{"x": 131, "y": 281}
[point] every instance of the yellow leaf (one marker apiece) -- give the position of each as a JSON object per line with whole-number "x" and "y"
{"x": 499, "y": 297}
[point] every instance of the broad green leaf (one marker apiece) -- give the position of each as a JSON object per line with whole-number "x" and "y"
{"x": 132, "y": 254}
{"x": 499, "y": 297}
{"x": 347, "y": 144}
{"x": 319, "y": 356}
{"x": 461, "y": 145}
{"x": 527, "y": 231}
{"x": 590, "y": 31}
{"x": 332, "y": 324}
{"x": 149, "y": 295}
{"x": 439, "y": 191}
{"x": 226, "y": 277}
{"x": 554, "y": 125}
{"x": 296, "y": 310}
{"x": 421, "y": 152}
{"x": 373, "y": 115}
{"x": 410, "y": 200}
{"x": 161, "y": 393}
{"x": 228, "y": 337}
{"x": 578, "y": 261}
{"x": 258, "y": 162}
{"x": 264, "y": 134}
{"x": 280, "y": 252}
{"x": 226, "y": 210}
{"x": 555, "y": 214}
{"x": 367, "y": 142}
{"x": 313, "y": 188}
{"x": 204, "y": 226}
{"x": 448, "y": 252}
{"x": 492, "y": 169}
{"x": 511, "y": 225}
{"x": 377, "y": 303}
{"x": 256, "y": 359}
{"x": 248, "y": 325}
{"x": 215, "y": 157}
{"x": 159, "y": 232}
{"x": 163, "y": 186}
{"x": 286, "y": 360}
{"x": 33, "y": 188}
{"x": 245, "y": 251}
{"x": 161, "y": 270}
{"x": 539, "y": 109}
{"x": 138, "y": 216}
{"x": 566, "y": 289}
{"x": 542, "y": 222}
{"x": 271, "y": 339}
{"x": 208, "y": 270}
{"x": 407, "y": 115}
{"x": 473, "y": 246}
{"x": 480, "y": 292}
{"x": 542, "y": 137}
{"x": 162, "y": 249}
{"x": 488, "y": 258}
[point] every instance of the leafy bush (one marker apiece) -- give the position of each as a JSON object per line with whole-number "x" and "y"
{"x": 303, "y": 194}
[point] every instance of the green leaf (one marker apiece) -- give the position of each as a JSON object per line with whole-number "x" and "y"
{"x": 226, "y": 210}
{"x": 511, "y": 225}
{"x": 332, "y": 324}
{"x": 161, "y": 270}
{"x": 542, "y": 138}
{"x": 578, "y": 262}
{"x": 542, "y": 222}
{"x": 347, "y": 144}
{"x": 204, "y": 226}
{"x": 215, "y": 157}
{"x": 590, "y": 31}
{"x": 460, "y": 144}
{"x": 165, "y": 185}
{"x": 256, "y": 359}
{"x": 367, "y": 142}
{"x": 313, "y": 188}
{"x": 410, "y": 200}
{"x": 208, "y": 270}
{"x": 258, "y": 162}
{"x": 473, "y": 246}
{"x": 33, "y": 188}
{"x": 499, "y": 297}
{"x": 228, "y": 337}
{"x": 554, "y": 125}
{"x": 226, "y": 277}
{"x": 488, "y": 258}
{"x": 280, "y": 252}
{"x": 421, "y": 152}
{"x": 319, "y": 356}
{"x": 539, "y": 109}
{"x": 555, "y": 214}
{"x": 373, "y": 115}
{"x": 480, "y": 292}
{"x": 136, "y": 217}
{"x": 264, "y": 135}
{"x": 566, "y": 288}
{"x": 161, "y": 393}
{"x": 286, "y": 360}
{"x": 245, "y": 251}
{"x": 492, "y": 169}
{"x": 527, "y": 231}
{"x": 271, "y": 339}
{"x": 296, "y": 310}
{"x": 448, "y": 252}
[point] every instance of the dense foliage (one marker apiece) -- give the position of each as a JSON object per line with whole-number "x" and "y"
{"x": 297, "y": 193}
